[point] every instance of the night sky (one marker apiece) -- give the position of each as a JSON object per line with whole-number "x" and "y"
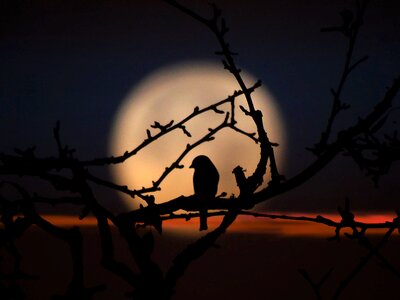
{"x": 75, "y": 61}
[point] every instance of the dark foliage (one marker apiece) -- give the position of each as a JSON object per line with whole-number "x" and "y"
{"x": 364, "y": 142}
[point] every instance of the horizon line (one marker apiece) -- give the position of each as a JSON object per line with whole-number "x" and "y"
{"x": 246, "y": 224}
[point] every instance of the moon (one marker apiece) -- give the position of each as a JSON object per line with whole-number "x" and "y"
{"x": 172, "y": 93}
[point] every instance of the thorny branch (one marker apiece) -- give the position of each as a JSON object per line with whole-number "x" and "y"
{"x": 176, "y": 164}
{"x": 360, "y": 142}
{"x": 163, "y": 130}
{"x": 359, "y": 233}
{"x": 350, "y": 29}
{"x": 217, "y": 26}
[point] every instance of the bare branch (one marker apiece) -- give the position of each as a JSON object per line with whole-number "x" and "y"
{"x": 197, "y": 249}
{"x": 179, "y": 125}
{"x": 351, "y": 29}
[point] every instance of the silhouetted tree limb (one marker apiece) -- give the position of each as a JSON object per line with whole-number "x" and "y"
{"x": 67, "y": 173}
{"x": 217, "y": 25}
{"x": 316, "y": 286}
{"x": 363, "y": 261}
{"x": 350, "y": 28}
{"x": 359, "y": 233}
{"x": 179, "y": 125}
{"x": 197, "y": 249}
{"x": 72, "y": 237}
{"x": 344, "y": 138}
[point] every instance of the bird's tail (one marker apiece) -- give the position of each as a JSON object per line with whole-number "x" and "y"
{"x": 203, "y": 220}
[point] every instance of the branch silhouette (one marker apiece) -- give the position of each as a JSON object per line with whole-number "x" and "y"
{"x": 69, "y": 175}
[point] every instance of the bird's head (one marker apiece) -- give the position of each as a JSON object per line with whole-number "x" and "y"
{"x": 199, "y": 161}
{"x": 238, "y": 170}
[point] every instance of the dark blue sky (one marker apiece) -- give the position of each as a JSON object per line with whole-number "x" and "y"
{"x": 74, "y": 61}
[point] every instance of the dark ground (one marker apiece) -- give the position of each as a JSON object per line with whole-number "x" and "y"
{"x": 246, "y": 266}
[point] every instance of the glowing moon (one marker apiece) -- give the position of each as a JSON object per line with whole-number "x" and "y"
{"x": 172, "y": 93}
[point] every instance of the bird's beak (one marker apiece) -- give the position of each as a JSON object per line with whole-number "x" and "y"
{"x": 191, "y": 166}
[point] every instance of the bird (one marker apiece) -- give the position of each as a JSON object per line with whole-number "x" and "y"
{"x": 205, "y": 184}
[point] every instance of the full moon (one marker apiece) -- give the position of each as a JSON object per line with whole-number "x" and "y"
{"x": 172, "y": 93}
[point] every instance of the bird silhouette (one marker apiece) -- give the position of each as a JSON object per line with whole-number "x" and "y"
{"x": 205, "y": 183}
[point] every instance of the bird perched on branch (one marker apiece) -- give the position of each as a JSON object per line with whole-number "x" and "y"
{"x": 205, "y": 183}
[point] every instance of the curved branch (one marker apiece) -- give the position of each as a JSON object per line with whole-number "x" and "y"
{"x": 266, "y": 150}
{"x": 197, "y": 249}
{"x": 180, "y": 125}
{"x": 332, "y": 150}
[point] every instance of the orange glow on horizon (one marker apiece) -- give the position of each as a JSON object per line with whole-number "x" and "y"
{"x": 70, "y": 220}
{"x": 243, "y": 224}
